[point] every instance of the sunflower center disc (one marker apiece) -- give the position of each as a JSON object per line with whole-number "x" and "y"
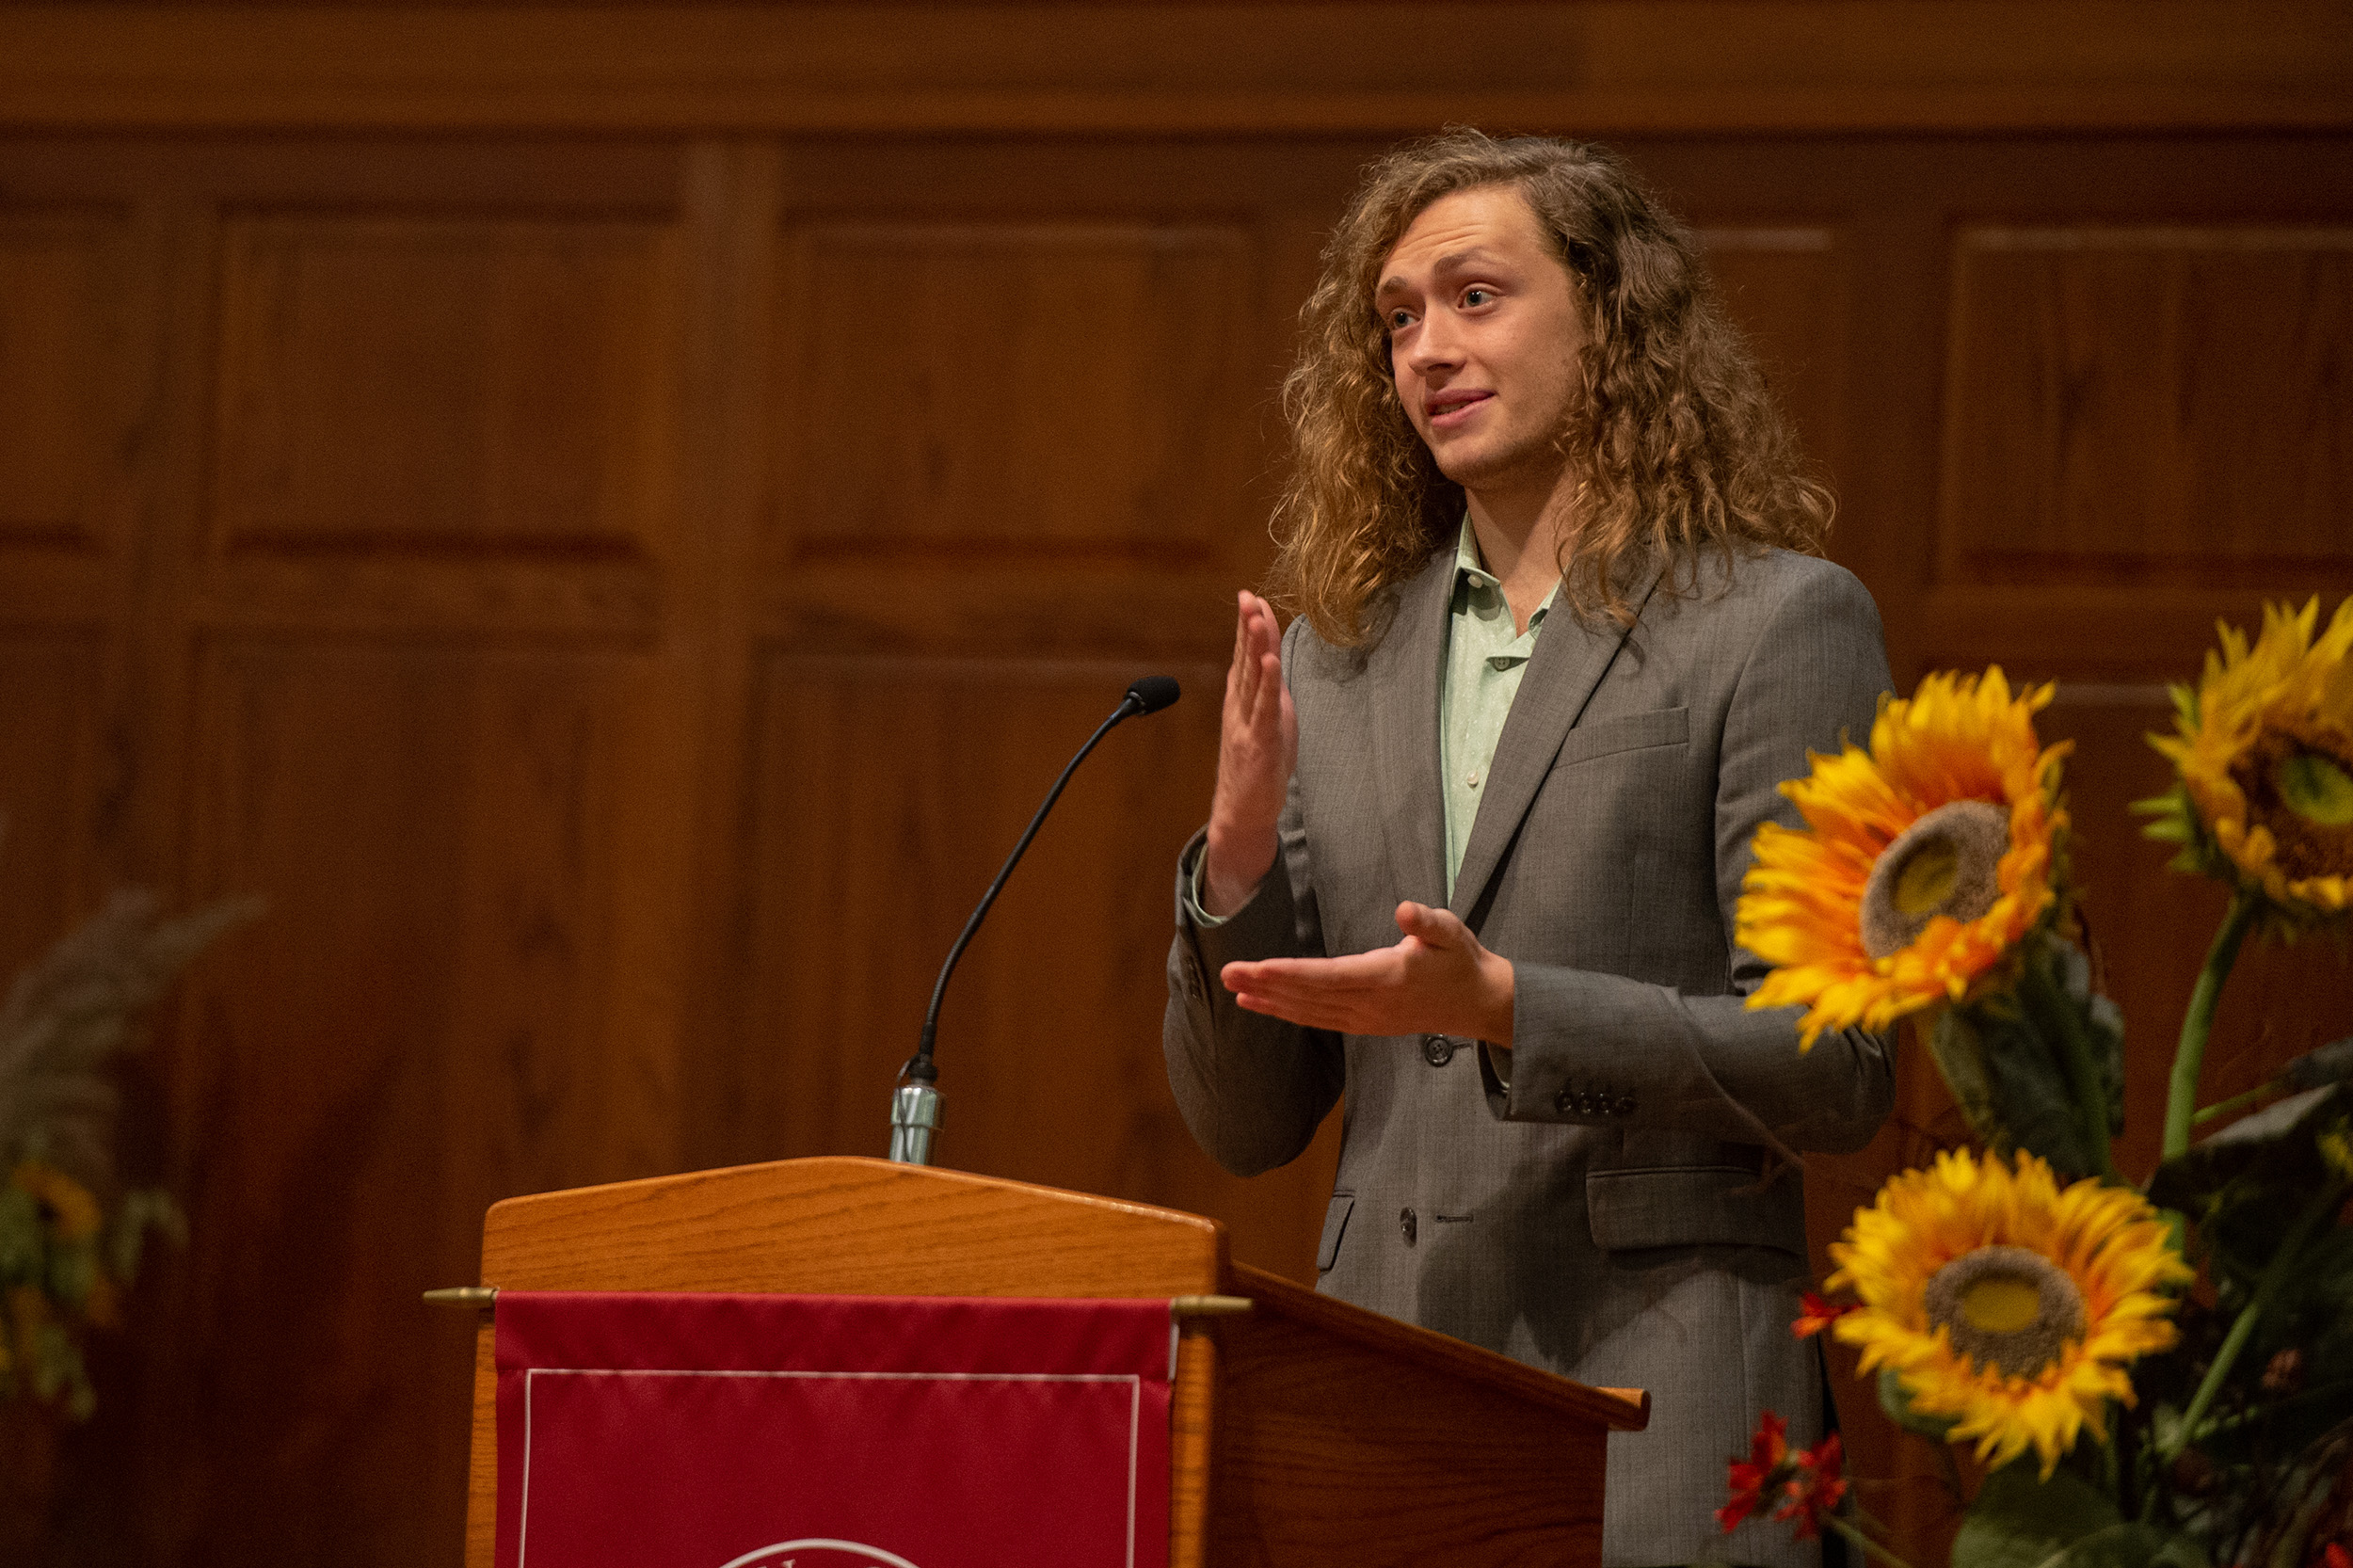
{"x": 2298, "y": 787}
{"x": 2005, "y": 1308}
{"x": 2000, "y": 1303}
{"x": 2314, "y": 788}
{"x": 1946, "y": 863}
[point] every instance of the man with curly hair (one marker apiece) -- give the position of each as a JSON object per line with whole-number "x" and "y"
{"x": 1482, "y": 813}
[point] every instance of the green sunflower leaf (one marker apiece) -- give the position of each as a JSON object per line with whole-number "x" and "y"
{"x": 2244, "y": 1186}
{"x": 2005, "y": 1058}
{"x": 2130, "y": 1546}
{"x": 2020, "y": 1521}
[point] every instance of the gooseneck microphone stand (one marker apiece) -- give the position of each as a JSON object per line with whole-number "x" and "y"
{"x": 915, "y": 1103}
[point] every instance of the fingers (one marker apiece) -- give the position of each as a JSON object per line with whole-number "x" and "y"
{"x": 1255, "y": 705}
{"x": 1241, "y": 678}
{"x": 1337, "y": 1020}
{"x": 1434, "y": 980}
{"x": 1431, "y": 926}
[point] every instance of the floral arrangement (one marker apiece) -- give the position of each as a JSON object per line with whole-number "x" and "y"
{"x": 2151, "y": 1377}
{"x": 71, "y": 1234}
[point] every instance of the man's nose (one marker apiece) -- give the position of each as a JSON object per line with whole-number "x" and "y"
{"x": 1437, "y": 345}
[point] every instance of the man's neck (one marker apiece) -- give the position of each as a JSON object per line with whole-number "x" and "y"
{"x": 1519, "y": 533}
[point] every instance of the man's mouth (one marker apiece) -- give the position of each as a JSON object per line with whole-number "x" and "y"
{"x": 1450, "y": 408}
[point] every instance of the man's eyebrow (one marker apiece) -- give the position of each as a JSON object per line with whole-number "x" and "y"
{"x": 1453, "y": 261}
{"x": 1462, "y": 261}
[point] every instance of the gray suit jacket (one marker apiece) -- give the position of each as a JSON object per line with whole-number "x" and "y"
{"x": 1624, "y": 1212}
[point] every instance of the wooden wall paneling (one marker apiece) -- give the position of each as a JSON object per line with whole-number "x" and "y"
{"x": 1674, "y": 66}
{"x": 445, "y": 753}
{"x": 412, "y": 1031}
{"x": 61, "y": 392}
{"x": 1041, "y": 394}
{"x": 49, "y": 692}
{"x": 415, "y": 382}
{"x": 2151, "y": 406}
{"x": 672, "y": 1001}
{"x": 1785, "y": 284}
{"x": 69, "y": 392}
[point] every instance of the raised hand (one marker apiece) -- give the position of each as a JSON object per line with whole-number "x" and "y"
{"x": 1440, "y": 980}
{"x": 1258, "y": 747}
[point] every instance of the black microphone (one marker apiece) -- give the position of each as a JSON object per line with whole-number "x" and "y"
{"x": 915, "y": 1103}
{"x": 1151, "y": 694}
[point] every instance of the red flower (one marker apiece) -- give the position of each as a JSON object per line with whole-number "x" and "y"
{"x": 1806, "y": 1487}
{"x": 1818, "y": 1315}
{"x": 1815, "y": 1491}
{"x": 1764, "y": 1472}
{"x": 2335, "y": 1556}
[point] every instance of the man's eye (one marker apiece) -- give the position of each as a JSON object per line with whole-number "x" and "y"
{"x": 1476, "y": 297}
{"x": 1399, "y": 320}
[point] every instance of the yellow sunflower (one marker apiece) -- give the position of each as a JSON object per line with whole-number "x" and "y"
{"x": 2266, "y": 755}
{"x": 2005, "y": 1302}
{"x": 1922, "y": 863}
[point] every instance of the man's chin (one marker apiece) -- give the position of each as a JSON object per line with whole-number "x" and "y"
{"x": 1476, "y": 470}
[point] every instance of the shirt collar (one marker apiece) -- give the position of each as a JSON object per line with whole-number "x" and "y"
{"x": 1466, "y": 561}
{"x": 1474, "y": 584}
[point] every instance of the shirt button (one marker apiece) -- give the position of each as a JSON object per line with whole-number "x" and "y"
{"x": 1471, "y": 778}
{"x": 1406, "y": 1226}
{"x": 1437, "y": 1050}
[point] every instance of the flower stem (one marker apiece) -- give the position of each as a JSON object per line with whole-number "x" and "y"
{"x": 2189, "y": 1057}
{"x": 1868, "y": 1545}
{"x": 2238, "y": 1102}
{"x": 2274, "y": 1275}
{"x": 2338, "y": 1393}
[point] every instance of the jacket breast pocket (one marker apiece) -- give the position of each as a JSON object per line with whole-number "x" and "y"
{"x": 1693, "y": 1205}
{"x": 1661, "y": 726}
{"x": 1335, "y": 1221}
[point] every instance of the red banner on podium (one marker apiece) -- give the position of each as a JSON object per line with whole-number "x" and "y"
{"x": 643, "y": 1430}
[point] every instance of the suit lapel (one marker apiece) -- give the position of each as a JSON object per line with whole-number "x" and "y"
{"x": 1569, "y": 661}
{"x": 1404, "y": 672}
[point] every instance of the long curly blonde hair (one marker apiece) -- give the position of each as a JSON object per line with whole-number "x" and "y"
{"x": 1678, "y": 447}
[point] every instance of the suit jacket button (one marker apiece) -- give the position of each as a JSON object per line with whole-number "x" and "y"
{"x": 1437, "y": 1050}
{"x": 1586, "y": 1104}
{"x": 1561, "y": 1101}
{"x": 1406, "y": 1226}
{"x": 1626, "y": 1104}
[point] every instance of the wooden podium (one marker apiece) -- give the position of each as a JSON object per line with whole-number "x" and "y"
{"x": 1304, "y": 1430}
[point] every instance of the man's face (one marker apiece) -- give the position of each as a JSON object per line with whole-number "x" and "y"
{"x": 1483, "y": 339}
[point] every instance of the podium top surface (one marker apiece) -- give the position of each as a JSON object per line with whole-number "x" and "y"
{"x": 848, "y": 1225}
{"x": 856, "y": 1227}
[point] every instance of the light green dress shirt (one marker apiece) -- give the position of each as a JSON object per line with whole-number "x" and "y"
{"x": 1485, "y": 656}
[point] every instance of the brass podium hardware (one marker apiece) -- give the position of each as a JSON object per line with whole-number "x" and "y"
{"x": 463, "y": 1295}
{"x": 480, "y": 1296}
